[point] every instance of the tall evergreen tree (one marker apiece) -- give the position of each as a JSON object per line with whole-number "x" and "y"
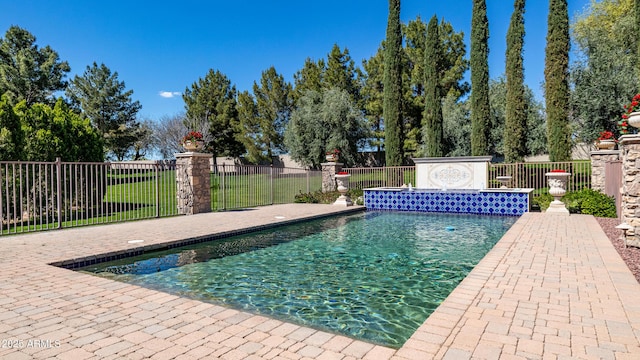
{"x": 637, "y": 7}
{"x": 372, "y": 93}
{"x": 273, "y": 110}
{"x": 310, "y": 77}
{"x": 515, "y": 137}
{"x": 392, "y": 101}
{"x": 432, "y": 128}
{"x": 27, "y": 72}
{"x": 556, "y": 75}
{"x": 106, "y": 102}
{"x": 451, "y": 67}
{"x": 480, "y": 109}
{"x": 11, "y": 134}
{"x": 211, "y": 108}
{"x": 341, "y": 72}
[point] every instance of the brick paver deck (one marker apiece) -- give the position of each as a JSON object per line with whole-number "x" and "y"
{"x": 553, "y": 287}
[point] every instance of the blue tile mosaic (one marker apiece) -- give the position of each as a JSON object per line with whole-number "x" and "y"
{"x": 452, "y": 201}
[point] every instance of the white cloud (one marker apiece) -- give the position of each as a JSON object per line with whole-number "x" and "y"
{"x": 169, "y": 94}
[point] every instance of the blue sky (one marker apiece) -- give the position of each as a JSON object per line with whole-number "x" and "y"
{"x": 159, "y": 48}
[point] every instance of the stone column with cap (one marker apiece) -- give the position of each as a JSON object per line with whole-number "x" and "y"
{"x": 193, "y": 177}
{"x": 329, "y": 171}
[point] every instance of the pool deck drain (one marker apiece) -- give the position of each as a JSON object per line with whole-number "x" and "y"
{"x": 553, "y": 287}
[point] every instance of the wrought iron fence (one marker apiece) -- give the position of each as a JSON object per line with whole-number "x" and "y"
{"x": 242, "y": 186}
{"x": 369, "y": 177}
{"x": 523, "y": 175}
{"x": 48, "y": 195}
{"x": 532, "y": 175}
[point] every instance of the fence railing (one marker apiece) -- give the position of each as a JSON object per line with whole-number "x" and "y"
{"x": 47, "y": 195}
{"x": 368, "y": 177}
{"x": 242, "y": 186}
{"x": 524, "y": 175}
{"x": 532, "y": 175}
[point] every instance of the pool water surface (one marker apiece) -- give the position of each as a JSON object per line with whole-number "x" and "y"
{"x": 374, "y": 276}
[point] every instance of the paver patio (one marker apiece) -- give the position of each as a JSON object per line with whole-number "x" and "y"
{"x": 553, "y": 287}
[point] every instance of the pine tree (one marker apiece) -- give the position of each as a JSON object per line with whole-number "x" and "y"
{"x": 432, "y": 130}
{"x": 392, "y": 101}
{"x": 211, "y": 108}
{"x": 341, "y": 72}
{"x": 556, "y": 75}
{"x": 28, "y": 72}
{"x": 110, "y": 107}
{"x": 515, "y": 139}
{"x": 480, "y": 111}
{"x": 310, "y": 77}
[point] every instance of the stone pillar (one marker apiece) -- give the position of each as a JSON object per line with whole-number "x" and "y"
{"x": 630, "y": 148}
{"x": 329, "y": 171}
{"x": 193, "y": 177}
{"x": 598, "y": 160}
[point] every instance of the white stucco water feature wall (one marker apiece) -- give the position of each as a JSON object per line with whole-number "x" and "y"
{"x": 464, "y": 172}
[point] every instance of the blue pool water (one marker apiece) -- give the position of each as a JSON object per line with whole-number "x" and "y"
{"x": 374, "y": 276}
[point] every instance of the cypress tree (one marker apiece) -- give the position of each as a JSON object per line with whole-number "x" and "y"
{"x": 636, "y": 5}
{"x": 432, "y": 128}
{"x": 392, "y": 95}
{"x": 515, "y": 139}
{"x": 556, "y": 74}
{"x": 480, "y": 111}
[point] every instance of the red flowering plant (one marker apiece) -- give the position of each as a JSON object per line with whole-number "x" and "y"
{"x": 192, "y": 136}
{"x": 342, "y": 173}
{"x": 633, "y": 106}
{"x": 334, "y": 152}
{"x": 558, "y": 171}
{"x": 606, "y": 135}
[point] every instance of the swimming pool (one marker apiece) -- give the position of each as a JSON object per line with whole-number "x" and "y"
{"x": 375, "y": 276}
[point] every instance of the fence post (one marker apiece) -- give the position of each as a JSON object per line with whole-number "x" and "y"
{"x": 156, "y": 166}
{"x": 59, "y": 190}
{"x": 271, "y": 182}
{"x": 329, "y": 171}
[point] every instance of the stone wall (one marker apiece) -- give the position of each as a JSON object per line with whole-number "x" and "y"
{"x": 598, "y": 161}
{"x": 193, "y": 180}
{"x": 630, "y": 146}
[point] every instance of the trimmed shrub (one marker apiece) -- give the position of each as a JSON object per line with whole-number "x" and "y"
{"x": 318, "y": 197}
{"x": 585, "y": 201}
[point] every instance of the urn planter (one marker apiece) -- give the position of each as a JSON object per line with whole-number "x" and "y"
{"x": 504, "y": 181}
{"x": 607, "y": 144}
{"x": 557, "y": 188}
{"x": 634, "y": 119}
{"x": 342, "y": 180}
{"x": 192, "y": 145}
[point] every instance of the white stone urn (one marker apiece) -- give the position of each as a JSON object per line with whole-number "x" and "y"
{"x": 557, "y": 181}
{"x": 342, "y": 180}
{"x": 634, "y": 119}
{"x": 504, "y": 181}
